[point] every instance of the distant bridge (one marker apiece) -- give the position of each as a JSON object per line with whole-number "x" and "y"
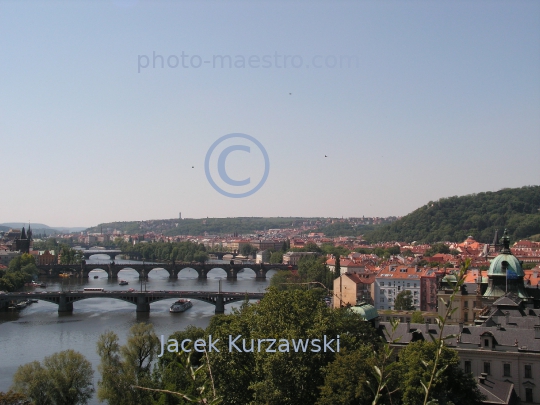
{"x": 202, "y": 269}
{"x": 112, "y": 253}
{"x": 142, "y": 300}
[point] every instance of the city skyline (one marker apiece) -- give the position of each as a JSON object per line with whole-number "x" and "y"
{"x": 433, "y": 100}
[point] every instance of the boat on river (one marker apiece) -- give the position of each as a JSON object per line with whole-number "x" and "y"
{"x": 123, "y": 282}
{"x": 181, "y": 306}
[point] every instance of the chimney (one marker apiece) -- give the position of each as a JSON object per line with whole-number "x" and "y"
{"x": 460, "y": 327}
{"x": 498, "y": 326}
{"x": 507, "y": 317}
{"x": 408, "y": 326}
{"x": 427, "y": 326}
{"x": 537, "y": 331}
{"x": 482, "y": 378}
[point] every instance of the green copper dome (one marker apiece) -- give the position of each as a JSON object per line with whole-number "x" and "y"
{"x": 505, "y": 261}
{"x": 502, "y": 262}
{"x": 505, "y": 274}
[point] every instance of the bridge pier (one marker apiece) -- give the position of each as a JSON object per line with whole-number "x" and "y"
{"x": 142, "y": 304}
{"x": 220, "y": 304}
{"x": 64, "y": 305}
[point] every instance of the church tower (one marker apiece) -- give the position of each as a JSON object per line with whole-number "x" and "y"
{"x": 505, "y": 273}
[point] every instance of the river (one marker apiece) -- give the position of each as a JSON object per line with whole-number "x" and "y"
{"x": 39, "y": 331}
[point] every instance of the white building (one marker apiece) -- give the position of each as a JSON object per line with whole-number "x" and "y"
{"x": 394, "y": 279}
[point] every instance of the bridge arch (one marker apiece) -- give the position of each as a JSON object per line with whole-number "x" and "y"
{"x": 247, "y": 272}
{"x": 158, "y": 272}
{"x": 188, "y": 272}
{"x": 217, "y": 272}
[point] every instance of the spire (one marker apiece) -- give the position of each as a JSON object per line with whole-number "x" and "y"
{"x": 506, "y": 243}
{"x": 23, "y": 233}
{"x": 29, "y": 233}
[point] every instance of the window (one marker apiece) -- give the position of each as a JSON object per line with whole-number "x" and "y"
{"x": 486, "y": 342}
{"x": 487, "y": 367}
{"x": 382, "y": 291}
{"x": 408, "y": 284}
{"x": 506, "y": 370}
{"x": 399, "y": 287}
{"x": 528, "y": 371}
{"x": 528, "y": 395}
{"x": 382, "y": 283}
{"x": 466, "y": 304}
{"x": 382, "y": 299}
{"x": 466, "y": 317}
{"x": 468, "y": 368}
{"x": 389, "y": 299}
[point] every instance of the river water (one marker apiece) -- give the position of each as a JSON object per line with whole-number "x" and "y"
{"x": 39, "y": 331}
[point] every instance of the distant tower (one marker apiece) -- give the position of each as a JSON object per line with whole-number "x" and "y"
{"x": 23, "y": 243}
{"x": 179, "y": 215}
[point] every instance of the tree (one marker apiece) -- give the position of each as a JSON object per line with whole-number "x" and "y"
{"x": 123, "y": 367}
{"x": 346, "y": 378}
{"x": 200, "y": 257}
{"x": 451, "y": 386}
{"x": 276, "y": 258}
{"x": 282, "y": 377}
{"x": 417, "y": 317}
{"x": 404, "y": 301}
{"x": 65, "y": 378}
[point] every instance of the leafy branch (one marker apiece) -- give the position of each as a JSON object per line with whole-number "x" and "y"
{"x": 193, "y": 373}
{"x": 382, "y": 375}
{"x": 439, "y": 341}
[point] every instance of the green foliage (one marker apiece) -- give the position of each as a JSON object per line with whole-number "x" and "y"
{"x": 189, "y": 226}
{"x": 314, "y": 269}
{"x": 276, "y": 258}
{"x": 123, "y": 367}
{"x": 437, "y": 248}
{"x": 451, "y": 386}
{"x": 247, "y": 249}
{"x": 346, "y": 378}
{"x": 21, "y": 270}
{"x": 165, "y": 251}
{"x": 65, "y": 378}
{"x": 69, "y": 255}
{"x": 529, "y": 266}
{"x": 404, "y": 301}
{"x": 417, "y": 317}
{"x": 282, "y": 378}
{"x": 479, "y": 215}
{"x": 383, "y": 253}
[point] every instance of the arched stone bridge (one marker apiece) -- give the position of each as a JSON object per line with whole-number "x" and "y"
{"x": 142, "y": 300}
{"x": 202, "y": 269}
{"x": 112, "y": 253}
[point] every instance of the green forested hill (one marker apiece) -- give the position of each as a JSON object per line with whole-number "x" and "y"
{"x": 479, "y": 215}
{"x": 199, "y": 226}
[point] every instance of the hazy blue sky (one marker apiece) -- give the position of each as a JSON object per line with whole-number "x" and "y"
{"x": 444, "y": 100}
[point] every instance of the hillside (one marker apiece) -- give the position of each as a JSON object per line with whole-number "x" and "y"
{"x": 212, "y": 226}
{"x": 479, "y": 215}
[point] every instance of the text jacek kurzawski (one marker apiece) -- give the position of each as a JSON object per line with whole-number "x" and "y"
{"x": 241, "y": 345}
